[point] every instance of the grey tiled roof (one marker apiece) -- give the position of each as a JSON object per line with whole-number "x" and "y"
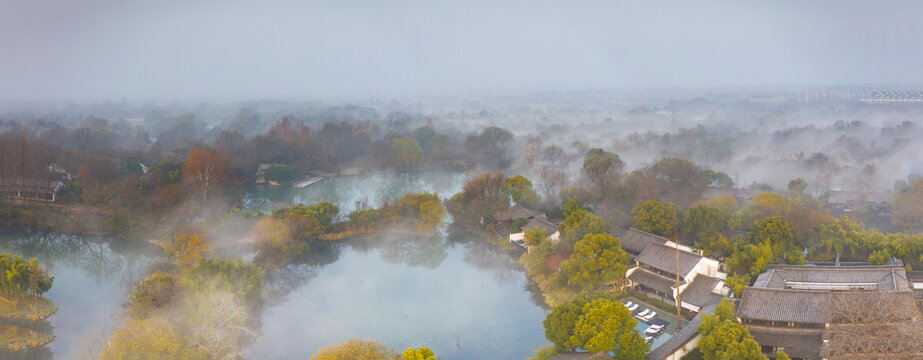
{"x": 803, "y": 306}
{"x": 699, "y": 292}
{"x": 653, "y": 281}
{"x": 798, "y": 343}
{"x": 843, "y": 197}
{"x": 515, "y": 212}
{"x": 680, "y": 338}
{"x": 635, "y": 241}
{"x": 887, "y": 278}
{"x": 663, "y": 258}
{"x": 541, "y": 223}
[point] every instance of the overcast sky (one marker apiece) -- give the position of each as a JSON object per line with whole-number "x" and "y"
{"x": 141, "y": 50}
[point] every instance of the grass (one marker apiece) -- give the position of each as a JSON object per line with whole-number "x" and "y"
{"x": 27, "y": 308}
{"x": 15, "y": 338}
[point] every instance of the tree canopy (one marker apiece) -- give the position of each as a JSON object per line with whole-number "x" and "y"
{"x": 655, "y": 217}
{"x": 597, "y": 259}
{"x": 608, "y": 326}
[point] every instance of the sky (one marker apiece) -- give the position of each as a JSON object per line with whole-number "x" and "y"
{"x": 273, "y": 49}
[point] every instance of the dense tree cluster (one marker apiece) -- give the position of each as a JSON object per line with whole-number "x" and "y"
{"x": 23, "y": 277}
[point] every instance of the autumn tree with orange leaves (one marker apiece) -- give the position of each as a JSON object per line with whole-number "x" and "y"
{"x": 206, "y": 168}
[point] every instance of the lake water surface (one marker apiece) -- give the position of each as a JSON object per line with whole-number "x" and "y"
{"x": 452, "y": 292}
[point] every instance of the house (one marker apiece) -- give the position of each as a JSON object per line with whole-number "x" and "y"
{"x": 550, "y": 227}
{"x": 701, "y": 282}
{"x": 743, "y": 196}
{"x": 845, "y": 202}
{"x": 534, "y": 219}
{"x": 59, "y": 172}
{"x": 634, "y": 241}
{"x": 261, "y": 173}
{"x": 516, "y": 212}
{"x": 787, "y": 308}
{"x": 31, "y": 189}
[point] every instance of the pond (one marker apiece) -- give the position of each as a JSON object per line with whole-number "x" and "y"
{"x": 91, "y": 274}
{"x": 453, "y": 294}
{"x": 345, "y": 191}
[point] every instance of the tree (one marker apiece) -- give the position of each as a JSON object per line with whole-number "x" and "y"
{"x": 774, "y": 231}
{"x": 908, "y": 207}
{"x": 481, "y": 196}
{"x": 206, "y": 168}
{"x": 597, "y": 259}
{"x": 560, "y": 323}
{"x": 153, "y": 293}
{"x": 608, "y": 326}
{"x": 520, "y": 190}
{"x": 655, "y": 217}
{"x": 730, "y": 340}
{"x": 154, "y": 338}
{"x": 422, "y": 353}
{"x": 797, "y": 185}
{"x": 579, "y": 223}
{"x": 491, "y": 147}
{"x": 704, "y": 222}
{"x": 781, "y": 355}
{"x": 545, "y": 352}
{"x": 355, "y": 349}
{"x": 408, "y": 152}
{"x": 723, "y": 338}
{"x": 188, "y": 250}
{"x": 603, "y": 170}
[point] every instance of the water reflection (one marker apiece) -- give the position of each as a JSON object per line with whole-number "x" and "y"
{"x": 460, "y": 297}
{"x": 90, "y": 276}
{"x": 345, "y": 191}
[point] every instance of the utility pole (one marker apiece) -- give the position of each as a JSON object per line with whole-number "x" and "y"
{"x": 679, "y": 317}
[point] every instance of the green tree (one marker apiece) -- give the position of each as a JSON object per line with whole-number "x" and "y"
{"x": 723, "y": 338}
{"x": 153, "y": 293}
{"x": 149, "y": 339}
{"x": 355, "y": 349}
{"x": 705, "y": 222}
{"x": 840, "y": 235}
{"x": 520, "y": 190}
{"x": 422, "y": 353}
{"x": 579, "y": 223}
{"x": 545, "y": 352}
{"x": 324, "y": 212}
{"x": 730, "y": 340}
{"x": 797, "y": 186}
{"x": 655, "y": 217}
{"x": 408, "y": 152}
{"x": 608, "y": 326}
{"x": 781, "y": 355}
{"x": 597, "y": 259}
{"x": 774, "y": 231}
{"x": 908, "y": 207}
{"x": 560, "y": 323}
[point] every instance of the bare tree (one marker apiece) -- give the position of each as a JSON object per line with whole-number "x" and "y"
{"x": 550, "y": 181}
{"x": 226, "y": 336}
{"x": 873, "y": 325}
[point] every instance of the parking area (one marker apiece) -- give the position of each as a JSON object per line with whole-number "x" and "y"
{"x": 663, "y": 319}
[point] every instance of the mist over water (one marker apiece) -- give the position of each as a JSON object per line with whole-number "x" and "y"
{"x": 408, "y": 292}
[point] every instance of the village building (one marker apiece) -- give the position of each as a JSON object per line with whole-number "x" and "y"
{"x": 701, "y": 281}
{"x": 845, "y": 202}
{"x": 30, "y": 189}
{"x": 743, "y": 196}
{"x": 787, "y": 308}
{"x": 634, "y": 241}
{"x": 534, "y": 220}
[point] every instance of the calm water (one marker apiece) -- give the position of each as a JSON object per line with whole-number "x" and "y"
{"x": 345, "y": 191}
{"x": 452, "y": 292}
{"x": 454, "y": 295}
{"x": 89, "y": 286}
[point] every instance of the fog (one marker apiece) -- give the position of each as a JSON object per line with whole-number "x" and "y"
{"x": 241, "y": 50}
